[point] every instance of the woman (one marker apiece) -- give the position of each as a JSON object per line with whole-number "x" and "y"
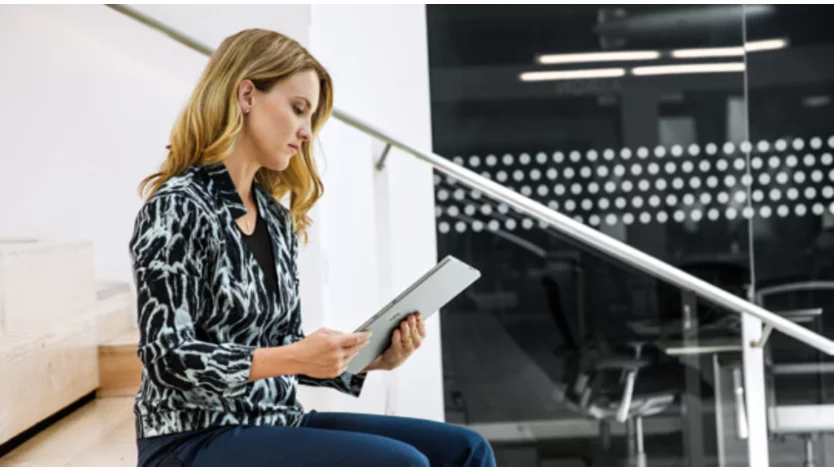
{"x": 215, "y": 262}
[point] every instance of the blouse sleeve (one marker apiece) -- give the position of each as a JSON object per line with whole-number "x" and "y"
{"x": 171, "y": 249}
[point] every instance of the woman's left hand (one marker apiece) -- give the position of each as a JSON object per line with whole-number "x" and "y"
{"x": 404, "y": 341}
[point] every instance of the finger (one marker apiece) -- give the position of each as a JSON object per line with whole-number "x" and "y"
{"x": 415, "y": 334}
{"x": 355, "y": 349}
{"x": 406, "y": 331}
{"x": 397, "y": 340}
{"x": 409, "y": 339}
{"x": 356, "y": 339}
{"x": 421, "y": 326}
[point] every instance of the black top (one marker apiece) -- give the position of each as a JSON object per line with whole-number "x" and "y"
{"x": 261, "y": 246}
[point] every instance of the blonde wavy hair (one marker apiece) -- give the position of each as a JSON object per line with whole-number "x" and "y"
{"x": 207, "y": 129}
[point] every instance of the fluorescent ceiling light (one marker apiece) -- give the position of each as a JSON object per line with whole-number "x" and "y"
{"x": 688, "y": 68}
{"x": 571, "y": 74}
{"x": 752, "y": 46}
{"x": 708, "y": 52}
{"x": 598, "y": 57}
{"x": 766, "y": 45}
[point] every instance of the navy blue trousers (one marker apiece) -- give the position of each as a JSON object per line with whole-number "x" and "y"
{"x": 324, "y": 440}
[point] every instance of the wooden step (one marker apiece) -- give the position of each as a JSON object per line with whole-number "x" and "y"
{"x": 52, "y": 319}
{"x": 99, "y": 434}
{"x": 120, "y": 370}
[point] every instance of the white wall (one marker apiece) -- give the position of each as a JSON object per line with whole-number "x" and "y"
{"x": 378, "y": 56}
{"x": 210, "y": 24}
{"x": 89, "y": 97}
{"x": 87, "y": 112}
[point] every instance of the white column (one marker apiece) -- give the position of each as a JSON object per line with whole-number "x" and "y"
{"x": 754, "y": 393}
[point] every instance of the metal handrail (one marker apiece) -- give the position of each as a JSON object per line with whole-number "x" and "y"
{"x": 567, "y": 226}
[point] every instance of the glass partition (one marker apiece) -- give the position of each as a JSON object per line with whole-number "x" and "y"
{"x": 632, "y": 120}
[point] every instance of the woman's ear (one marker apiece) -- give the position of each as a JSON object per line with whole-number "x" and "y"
{"x": 245, "y": 95}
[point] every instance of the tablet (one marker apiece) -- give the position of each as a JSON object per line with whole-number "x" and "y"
{"x": 427, "y": 295}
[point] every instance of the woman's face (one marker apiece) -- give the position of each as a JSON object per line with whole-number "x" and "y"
{"x": 279, "y": 120}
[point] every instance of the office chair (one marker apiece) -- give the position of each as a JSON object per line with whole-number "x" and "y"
{"x": 602, "y": 384}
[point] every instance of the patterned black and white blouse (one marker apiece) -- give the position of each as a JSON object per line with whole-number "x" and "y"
{"x": 204, "y": 307}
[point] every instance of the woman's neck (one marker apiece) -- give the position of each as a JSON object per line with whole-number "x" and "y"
{"x": 242, "y": 171}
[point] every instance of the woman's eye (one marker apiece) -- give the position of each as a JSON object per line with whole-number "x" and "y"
{"x": 298, "y": 110}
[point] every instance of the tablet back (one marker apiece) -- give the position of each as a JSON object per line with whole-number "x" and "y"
{"x": 428, "y": 294}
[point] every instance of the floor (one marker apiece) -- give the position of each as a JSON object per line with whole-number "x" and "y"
{"x": 100, "y": 433}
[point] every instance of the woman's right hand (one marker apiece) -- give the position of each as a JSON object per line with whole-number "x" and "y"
{"x": 326, "y": 353}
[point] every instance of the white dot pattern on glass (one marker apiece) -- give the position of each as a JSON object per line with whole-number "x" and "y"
{"x": 660, "y": 151}
{"x": 794, "y": 176}
{"x": 745, "y": 147}
{"x": 800, "y": 210}
{"x": 593, "y": 187}
{"x": 535, "y": 174}
{"x": 713, "y": 214}
{"x": 694, "y": 150}
{"x": 608, "y": 154}
{"x": 798, "y": 144}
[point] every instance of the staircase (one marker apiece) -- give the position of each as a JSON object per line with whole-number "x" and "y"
{"x": 62, "y": 334}
{"x": 119, "y": 368}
